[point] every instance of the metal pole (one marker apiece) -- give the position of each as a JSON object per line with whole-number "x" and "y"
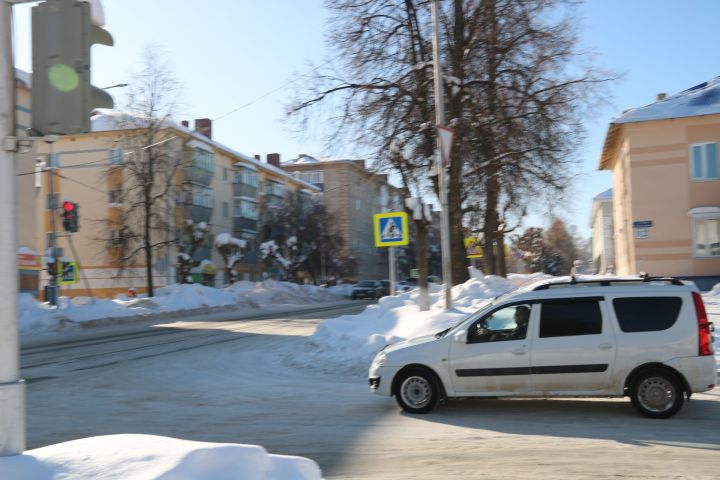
{"x": 53, "y": 286}
{"x": 12, "y": 387}
{"x": 440, "y": 120}
{"x": 391, "y": 254}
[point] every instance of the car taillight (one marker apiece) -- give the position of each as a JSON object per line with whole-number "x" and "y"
{"x": 704, "y": 337}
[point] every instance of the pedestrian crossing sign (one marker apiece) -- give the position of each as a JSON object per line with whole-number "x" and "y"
{"x": 391, "y": 229}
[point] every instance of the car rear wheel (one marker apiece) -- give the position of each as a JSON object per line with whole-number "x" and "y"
{"x": 417, "y": 391}
{"x": 657, "y": 394}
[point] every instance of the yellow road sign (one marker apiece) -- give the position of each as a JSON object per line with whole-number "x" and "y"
{"x": 391, "y": 229}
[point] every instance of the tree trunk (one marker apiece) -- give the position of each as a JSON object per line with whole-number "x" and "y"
{"x": 490, "y": 225}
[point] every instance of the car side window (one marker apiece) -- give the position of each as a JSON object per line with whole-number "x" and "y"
{"x": 508, "y": 323}
{"x": 564, "y": 318}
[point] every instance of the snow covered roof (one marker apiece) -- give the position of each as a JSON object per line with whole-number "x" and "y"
{"x": 606, "y": 195}
{"x": 702, "y": 99}
{"x": 107, "y": 120}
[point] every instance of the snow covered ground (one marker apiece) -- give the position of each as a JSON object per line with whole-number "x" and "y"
{"x": 36, "y": 317}
{"x": 152, "y": 457}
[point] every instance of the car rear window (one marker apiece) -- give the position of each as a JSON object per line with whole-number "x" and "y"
{"x": 647, "y": 314}
{"x": 569, "y": 318}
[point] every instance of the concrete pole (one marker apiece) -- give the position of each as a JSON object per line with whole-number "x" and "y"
{"x": 12, "y": 388}
{"x": 440, "y": 120}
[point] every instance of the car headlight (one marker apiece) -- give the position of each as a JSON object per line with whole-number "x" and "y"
{"x": 380, "y": 359}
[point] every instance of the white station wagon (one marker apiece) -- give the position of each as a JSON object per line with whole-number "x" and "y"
{"x": 644, "y": 337}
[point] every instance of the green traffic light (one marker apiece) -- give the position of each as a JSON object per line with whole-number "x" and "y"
{"x": 63, "y": 78}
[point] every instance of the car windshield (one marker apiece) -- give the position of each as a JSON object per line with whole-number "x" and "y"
{"x": 366, "y": 284}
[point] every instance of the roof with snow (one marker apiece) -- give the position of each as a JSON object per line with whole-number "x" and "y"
{"x": 702, "y": 99}
{"x": 606, "y": 195}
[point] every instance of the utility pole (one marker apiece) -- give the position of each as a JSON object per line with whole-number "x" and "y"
{"x": 52, "y": 291}
{"x": 12, "y": 387}
{"x": 440, "y": 120}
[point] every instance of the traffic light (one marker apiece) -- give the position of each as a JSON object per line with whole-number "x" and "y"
{"x": 62, "y": 33}
{"x": 70, "y": 216}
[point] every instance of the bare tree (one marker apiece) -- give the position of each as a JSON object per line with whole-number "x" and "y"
{"x": 298, "y": 237}
{"x": 145, "y": 177}
{"x": 514, "y": 96}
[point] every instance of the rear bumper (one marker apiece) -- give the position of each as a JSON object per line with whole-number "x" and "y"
{"x": 700, "y": 372}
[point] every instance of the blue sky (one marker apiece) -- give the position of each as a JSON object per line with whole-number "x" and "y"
{"x": 228, "y": 53}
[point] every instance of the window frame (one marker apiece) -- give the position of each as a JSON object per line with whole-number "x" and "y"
{"x": 698, "y": 215}
{"x": 530, "y": 303}
{"x": 703, "y": 162}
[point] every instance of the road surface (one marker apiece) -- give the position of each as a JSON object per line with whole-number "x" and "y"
{"x": 234, "y": 381}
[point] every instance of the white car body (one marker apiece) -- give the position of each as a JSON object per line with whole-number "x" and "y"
{"x": 603, "y": 363}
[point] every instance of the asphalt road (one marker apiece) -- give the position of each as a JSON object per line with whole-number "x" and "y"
{"x": 234, "y": 381}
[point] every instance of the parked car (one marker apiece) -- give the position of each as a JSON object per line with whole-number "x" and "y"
{"x": 367, "y": 289}
{"x": 646, "y": 338}
{"x": 384, "y": 288}
{"x": 405, "y": 287}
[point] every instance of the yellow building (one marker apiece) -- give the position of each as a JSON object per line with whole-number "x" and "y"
{"x": 666, "y": 185}
{"x": 215, "y": 184}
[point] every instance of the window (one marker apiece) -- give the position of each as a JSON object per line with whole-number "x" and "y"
{"x": 201, "y": 196}
{"x": 245, "y": 209}
{"x": 202, "y": 159}
{"x": 706, "y": 232}
{"x": 508, "y": 323}
{"x": 648, "y": 314}
{"x": 313, "y": 176}
{"x": 116, "y": 156}
{"x": 247, "y": 177}
{"x": 115, "y": 238}
{"x": 564, "y": 318}
{"x": 704, "y": 161}
{"x": 275, "y": 188}
{"x": 226, "y": 209}
{"x": 358, "y": 204}
{"x": 115, "y": 196}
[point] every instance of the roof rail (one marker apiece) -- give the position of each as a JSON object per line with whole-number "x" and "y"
{"x": 642, "y": 278}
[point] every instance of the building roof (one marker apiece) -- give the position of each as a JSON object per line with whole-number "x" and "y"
{"x": 109, "y": 120}
{"x": 606, "y": 195}
{"x": 702, "y": 99}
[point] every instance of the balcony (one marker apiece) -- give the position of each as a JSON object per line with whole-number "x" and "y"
{"x": 198, "y": 175}
{"x": 244, "y": 190}
{"x": 198, "y": 213}
{"x": 242, "y": 223}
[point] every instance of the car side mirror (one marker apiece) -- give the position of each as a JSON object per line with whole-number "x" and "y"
{"x": 461, "y": 336}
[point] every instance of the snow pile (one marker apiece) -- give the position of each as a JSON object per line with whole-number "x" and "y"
{"x": 227, "y": 239}
{"x": 348, "y": 343}
{"x": 35, "y": 317}
{"x": 150, "y": 457}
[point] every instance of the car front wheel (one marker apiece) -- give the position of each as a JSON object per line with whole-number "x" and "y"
{"x": 417, "y": 391}
{"x": 657, "y": 394}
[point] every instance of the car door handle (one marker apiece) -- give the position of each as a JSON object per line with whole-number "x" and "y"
{"x": 605, "y": 346}
{"x": 519, "y": 351}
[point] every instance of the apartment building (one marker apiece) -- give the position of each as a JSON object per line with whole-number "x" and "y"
{"x": 215, "y": 184}
{"x": 666, "y": 185}
{"x": 352, "y": 194}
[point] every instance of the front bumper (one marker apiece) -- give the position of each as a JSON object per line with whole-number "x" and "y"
{"x": 380, "y": 379}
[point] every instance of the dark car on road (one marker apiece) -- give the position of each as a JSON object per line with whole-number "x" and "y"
{"x": 367, "y": 289}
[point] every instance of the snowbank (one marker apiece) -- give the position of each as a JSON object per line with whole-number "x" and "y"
{"x": 348, "y": 343}
{"x": 150, "y": 457}
{"x": 36, "y": 317}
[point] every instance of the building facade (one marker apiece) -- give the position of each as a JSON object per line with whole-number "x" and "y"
{"x": 352, "y": 194}
{"x": 666, "y": 186}
{"x": 213, "y": 184}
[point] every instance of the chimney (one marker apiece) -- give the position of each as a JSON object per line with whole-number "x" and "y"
{"x": 204, "y": 127}
{"x": 273, "y": 159}
{"x": 257, "y": 157}
{"x": 185, "y": 124}
{"x": 361, "y": 163}
{"x": 660, "y": 97}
